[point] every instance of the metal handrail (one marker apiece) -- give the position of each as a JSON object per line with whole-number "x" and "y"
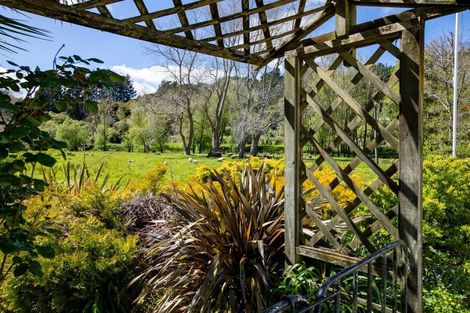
{"x": 324, "y": 293}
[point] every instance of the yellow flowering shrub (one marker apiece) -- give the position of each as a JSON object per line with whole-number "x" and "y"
{"x": 94, "y": 256}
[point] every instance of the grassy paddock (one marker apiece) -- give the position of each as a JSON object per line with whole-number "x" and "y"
{"x": 134, "y": 165}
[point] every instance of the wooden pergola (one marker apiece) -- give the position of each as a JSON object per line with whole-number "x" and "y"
{"x": 258, "y": 31}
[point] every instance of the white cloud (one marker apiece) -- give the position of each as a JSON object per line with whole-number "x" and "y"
{"x": 146, "y": 80}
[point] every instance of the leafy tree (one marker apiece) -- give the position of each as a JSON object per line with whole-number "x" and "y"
{"x": 73, "y": 133}
{"x": 23, "y": 145}
{"x": 123, "y": 92}
{"x": 439, "y": 95}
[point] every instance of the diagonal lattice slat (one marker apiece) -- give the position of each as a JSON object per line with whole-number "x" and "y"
{"x": 361, "y": 216}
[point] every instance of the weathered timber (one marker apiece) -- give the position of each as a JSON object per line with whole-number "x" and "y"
{"x": 293, "y": 156}
{"x": 411, "y": 160}
{"x": 92, "y": 20}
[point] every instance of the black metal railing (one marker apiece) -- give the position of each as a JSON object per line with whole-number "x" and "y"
{"x": 374, "y": 284}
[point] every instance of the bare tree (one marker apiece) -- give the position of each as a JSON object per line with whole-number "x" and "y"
{"x": 215, "y": 98}
{"x": 259, "y": 106}
{"x": 180, "y": 66}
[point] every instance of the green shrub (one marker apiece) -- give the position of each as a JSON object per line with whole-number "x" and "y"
{"x": 73, "y": 133}
{"x": 95, "y": 257}
{"x": 446, "y": 206}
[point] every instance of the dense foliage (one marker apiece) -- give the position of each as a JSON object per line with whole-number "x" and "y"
{"x": 226, "y": 249}
{"x": 23, "y": 145}
{"x": 94, "y": 259}
{"x": 447, "y": 234}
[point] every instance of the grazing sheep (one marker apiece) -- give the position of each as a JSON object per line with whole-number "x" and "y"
{"x": 130, "y": 161}
{"x": 190, "y": 159}
{"x": 220, "y": 159}
{"x": 195, "y": 161}
{"x": 165, "y": 163}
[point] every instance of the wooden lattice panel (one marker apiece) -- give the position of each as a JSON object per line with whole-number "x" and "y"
{"x": 341, "y": 98}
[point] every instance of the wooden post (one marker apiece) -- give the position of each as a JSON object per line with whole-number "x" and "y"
{"x": 293, "y": 154}
{"x": 345, "y": 17}
{"x": 411, "y": 160}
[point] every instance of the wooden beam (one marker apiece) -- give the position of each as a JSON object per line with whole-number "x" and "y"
{"x": 293, "y": 155}
{"x": 69, "y": 14}
{"x": 292, "y": 41}
{"x": 214, "y": 8}
{"x": 143, "y": 11}
{"x": 93, "y": 4}
{"x": 184, "y": 20}
{"x": 232, "y": 17}
{"x": 411, "y": 3}
{"x": 169, "y": 11}
{"x": 327, "y": 255}
{"x": 262, "y": 26}
{"x": 411, "y": 160}
{"x": 246, "y": 26}
{"x": 391, "y": 31}
{"x": 345, "y": 18}
{"x": 263, "y": 19}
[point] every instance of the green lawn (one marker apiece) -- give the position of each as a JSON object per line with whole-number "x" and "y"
{"x": 134, "y": 165}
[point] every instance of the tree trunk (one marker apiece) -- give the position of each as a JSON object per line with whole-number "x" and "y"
{"x": 241, "y": 148}
{"x": 254, "y": 145}
{"x": 161, "y": 147}
{"x": 215, "y": 146}
{"x": 183, "y": 138}
{"x": 191, "y": 130}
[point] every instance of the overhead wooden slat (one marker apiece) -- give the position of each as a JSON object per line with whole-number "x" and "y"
{"x": 246, "y": 26}
{"x": 411, "y": 3}
{"x": 288, "y": 43}
{"x": 263, "y": 19}
{"x": 88, "y": 19}
{"x": 217, "y": 28}
{"x": 169, "y": 11}
{"x": 232, "y": 17}
{"x": 184, "y": 20}
{"x": 263, "y": 41}
{"x": 93, "y": 4}
{"x": 105, "y": 12}
{"x": 143, "y": 11}
{"x": 263, "y": 26}
{"x": 301, "y": 8}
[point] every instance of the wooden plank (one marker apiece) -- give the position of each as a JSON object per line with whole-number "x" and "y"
{"x": 353, "y": 104}
{"x": 345, "y": 18}
{"x": 388, "y": 32}
{"x": 293, "y": 40}
{"x": 105, "y": 12}
{"x": 300, "y": 9}
{"x": 143, "y": 11}
{"x": 371, "y": 77}
{"x": 169, "y": 11}
{"x": 92, "y": 20}
{"x": 325, "y": 231}
{"x": 411, "y": 160}
{"x": 293, "y": 156}
{"x": 246, "y": 26}
{"x": 327, "y": 195}
{"x": 93, "y": 4}
{"x": 327, "y": 255}
{"x": 231, "y": 17}
{"x": 259, "y": 27}
{"x": 263, "y": 19}
{"x": 412, "y": 3}
{"x": 184, "y": 20}
{"x": 214, "y": 8}
{"x": 359, "y": 193}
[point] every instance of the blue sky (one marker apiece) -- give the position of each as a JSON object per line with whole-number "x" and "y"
{"x": 129, "y": 56}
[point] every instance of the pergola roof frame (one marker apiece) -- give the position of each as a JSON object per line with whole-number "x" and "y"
{"x": 257, "y": 45}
